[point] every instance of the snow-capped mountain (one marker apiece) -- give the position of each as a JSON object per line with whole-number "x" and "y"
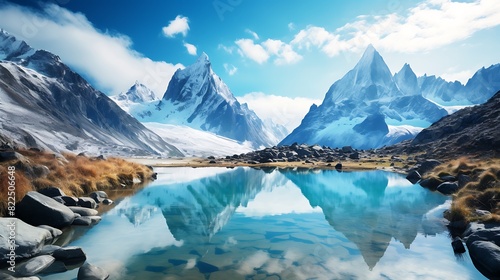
{"x": 407, "y": 81}
{"x": 198, "y": 143}
{"x": 441, "y": 91}
{"x": 367, "y": 109}
{"x": 198, "y": 98}
{"x": 478, "y": 89}
{"x": 138, "y": 93}
{"x": 190, "y": 141}
{"x": 483, "y": 85}
{"x": 44, "y": 104}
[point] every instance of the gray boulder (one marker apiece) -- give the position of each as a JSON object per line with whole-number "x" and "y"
{"x": 354, "y": 155}
{"x": 71, "y": 254}
{"x": 34, "y": 265}
{"x": 427, "y": 165}
{"x": 347, "y": 149}
{"x": 51, "y": 192}
{"x": 99, "y": 196}
{"x": 107, "y": 201}
{"x": 448, "y": 188}
{"x": 91, "y": 272}
{"x": 486, "y": 257}
{"x": 430, "y": 183}
{"x": 11, "y": 155}
{"x": 484, "y": 232}
{"x": 29, "y": 239}
{"x": 54, "y": 232}
{"x": 5, "y": 276}
{"x": 413, "y": 176}
{"x": 38, "y": 209}
{"x": 87, "y": 202}
{"x": 70, "y": 200}
{"x": 48, "y": 249}
{"x": 338, "y": 166}
{"x": 458, "y": 245}
{"x": 83, "y": 211}
{"x": 82, "y": 221}
{"x": 59, "y": 199}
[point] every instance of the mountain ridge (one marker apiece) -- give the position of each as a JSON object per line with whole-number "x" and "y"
{"x": 196, "y": 97}
{"x": 44, "y": 104}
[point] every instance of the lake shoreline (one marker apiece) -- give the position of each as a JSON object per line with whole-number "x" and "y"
{"x": 198, "y": 162}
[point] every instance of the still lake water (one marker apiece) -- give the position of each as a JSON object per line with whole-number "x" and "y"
{"x": 244, "y": 223}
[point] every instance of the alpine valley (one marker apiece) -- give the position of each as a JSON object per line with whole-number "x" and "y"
{"x": 46, "y": 105}
{"x": 370, "y": 108}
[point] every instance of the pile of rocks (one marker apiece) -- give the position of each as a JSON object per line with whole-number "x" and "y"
{"x": 296, "y": 152}
{"x": 39, "y": 218}
{"x": 482, "y": 240}
{"x": 446, "y": 184}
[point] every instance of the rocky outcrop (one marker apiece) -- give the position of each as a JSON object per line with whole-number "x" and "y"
{"x": 91, "y": 272}
{"x": 470, "y": 131}
{"x": 29, "y": 239}
{"x": 483, "y": 241}
{"x": 295, "y": 153}
{"x": 38, "y": 209}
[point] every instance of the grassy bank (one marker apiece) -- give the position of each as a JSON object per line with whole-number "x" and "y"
{"x": 481, "y": 193}
{"x": 75, "y": 175}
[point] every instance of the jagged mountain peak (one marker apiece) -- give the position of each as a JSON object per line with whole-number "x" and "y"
{"x": 196, "y": 81}
{"x": 198, "y": 98}
{"x": 12, "y": 48}
{"x": 372, "y": 67}
{"x": 137, "y": 93}
{"x": 407, "y": 81}
{"x": 203, "y": 58}
{"x": 370, "y": 79}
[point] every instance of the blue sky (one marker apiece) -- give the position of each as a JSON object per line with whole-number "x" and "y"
{"x": 261, "y": 49}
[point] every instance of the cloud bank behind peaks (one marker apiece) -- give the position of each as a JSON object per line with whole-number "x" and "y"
{"x": 108, "y": 60}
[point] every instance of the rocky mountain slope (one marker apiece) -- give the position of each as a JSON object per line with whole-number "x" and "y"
{"x": 472, "y": 130}
{"x": 44, "y": 104}
{"x": 370, "y": 108}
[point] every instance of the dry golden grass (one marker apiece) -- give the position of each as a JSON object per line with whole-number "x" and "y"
{"x": 75, "y": 175}
{"x": 482, "y": 193}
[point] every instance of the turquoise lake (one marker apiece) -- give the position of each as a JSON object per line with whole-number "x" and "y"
{"x": 244, "y": 223}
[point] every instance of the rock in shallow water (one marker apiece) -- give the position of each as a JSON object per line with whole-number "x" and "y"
{"x": 84, "y": 211}
{"x": 413, "y": 177}
{"x": 38, "y": 209}
{"x": 448, "y": 188}
{"x": 29, "y": 239}
{"x": 91, "y": 272}
{"x": 34, "y": 265}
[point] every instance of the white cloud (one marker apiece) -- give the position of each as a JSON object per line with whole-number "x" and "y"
{"x": 108, "y": 59}
{"x": 230, "y": 69}
{"x": 282, "y": 110}
{"x": 283, "y": 52}
{"x": 429, "y": 25}
{"x": 191, "y": 49}
{"x": 260, "y": 53}
{"x": 227, "y": 49}
{"x": 180, "y": 25}
{"x": 254, "y": 35}
{"x": 253, "y": 51}
{"x": 291, "y": 26}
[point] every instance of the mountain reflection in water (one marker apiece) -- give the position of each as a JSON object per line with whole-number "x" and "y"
{"x": 216, "y": 223}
